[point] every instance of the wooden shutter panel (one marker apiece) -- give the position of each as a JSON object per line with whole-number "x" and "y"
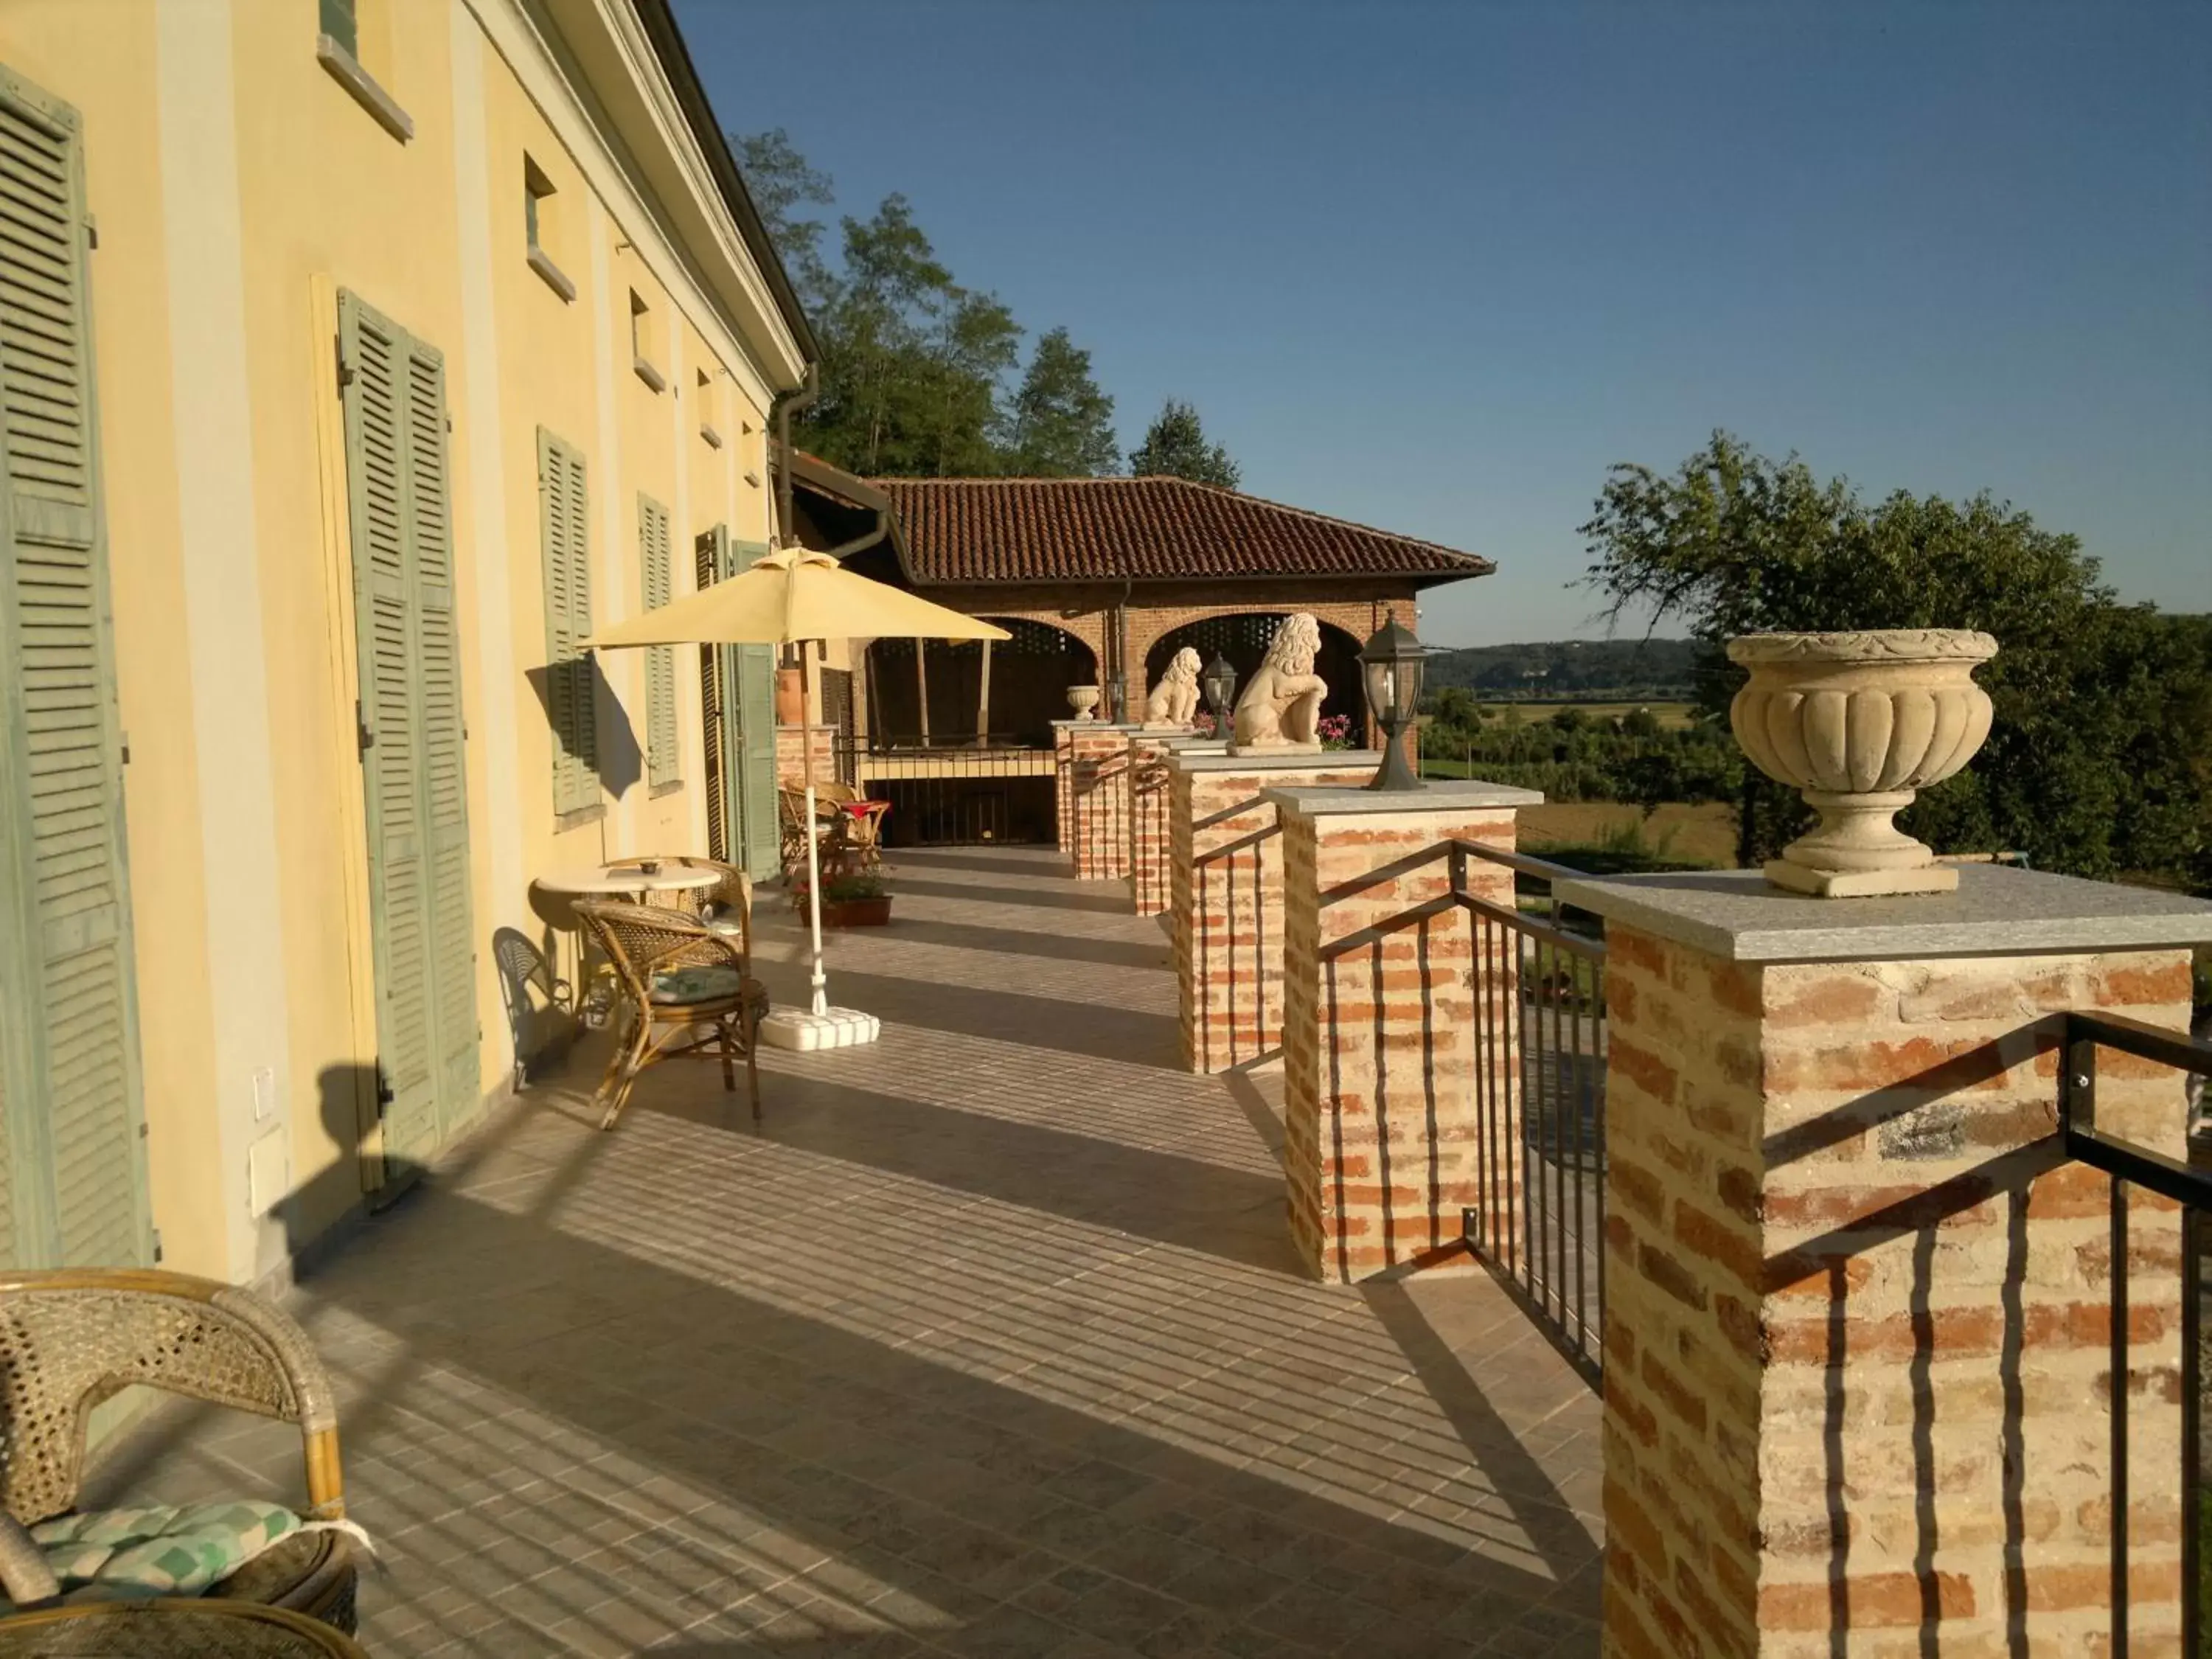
{"x": 710, "y": 551}
{"x": 414, "y": 775}
{"x": 754, "y": 678}
{"x": 563, "y": 507}
{"x": 378, "y": 448}
{"x": 445, "y": 770}
{"x": 655, "y": 558}
{"x": 70, "y": 1083}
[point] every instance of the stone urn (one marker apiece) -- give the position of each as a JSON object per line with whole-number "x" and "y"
{"x": 1860, "y": 723}
{"x": 1084, "y": 700}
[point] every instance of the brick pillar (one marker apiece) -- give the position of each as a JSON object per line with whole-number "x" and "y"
{"x": 1857, "y": 1370}
{"x": 1382, "y": 1129}
{"x": 1098, "y": 800}
{"x": 1148, "y": 812}
{"x": 791, "y": 747}
{"x": 1063, "y": 762}
{"x": 1228, "y": 906}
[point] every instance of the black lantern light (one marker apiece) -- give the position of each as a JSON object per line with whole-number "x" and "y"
{"x": 1217, "y": 685}
{"x": 1391, "y": 664}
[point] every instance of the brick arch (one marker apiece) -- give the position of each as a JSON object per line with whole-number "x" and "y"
{"x": 1028, "y": 690}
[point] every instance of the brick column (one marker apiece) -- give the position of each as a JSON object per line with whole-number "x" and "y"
{"x": 791, "y": 747}
{"x": 1063, "y": 762}
{"x": 1148, "y": 811}
{"x": 1858, "y": 1363}
{"x": 1382, "y": 1131}
{"x": 1228, "y": 906}
{"x": 1098, "y": 800}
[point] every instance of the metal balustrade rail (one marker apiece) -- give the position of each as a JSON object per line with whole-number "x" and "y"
{"x": 1538, "y": 1221}
{"x": 2130, "y": 1165}
{"x": 957, "y": 795}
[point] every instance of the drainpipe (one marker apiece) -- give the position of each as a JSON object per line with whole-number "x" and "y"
{"x": 785, "y": 535}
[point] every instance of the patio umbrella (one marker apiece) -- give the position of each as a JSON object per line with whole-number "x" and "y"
{"x": 787, "y": 597}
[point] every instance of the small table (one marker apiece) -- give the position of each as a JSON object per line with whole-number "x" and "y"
{"x": 627, "y": 881}
{"x": 172, "y": 1628}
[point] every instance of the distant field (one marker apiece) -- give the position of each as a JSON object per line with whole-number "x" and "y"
{"x": 1672, "y": 715}
{"x": 1703, "y": 834}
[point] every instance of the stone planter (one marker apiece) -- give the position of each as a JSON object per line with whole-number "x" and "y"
{"x": 1860, "y": 723}
{"x": 1084, "y": 700}
{"x": 857, "y": 912}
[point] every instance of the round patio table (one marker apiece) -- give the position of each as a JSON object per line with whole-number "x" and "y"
{"x": 627, "y": 881}
{"x": 171, "y": 1628}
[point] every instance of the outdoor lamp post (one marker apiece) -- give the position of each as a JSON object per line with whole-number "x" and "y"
{"x": 1391, "y": 664}
{"x": 1218, "y": 685}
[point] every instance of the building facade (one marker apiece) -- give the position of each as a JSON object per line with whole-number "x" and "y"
{"x": 356, "y": 360}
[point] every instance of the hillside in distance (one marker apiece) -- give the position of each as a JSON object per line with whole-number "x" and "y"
{"x": 1549, "y": 671}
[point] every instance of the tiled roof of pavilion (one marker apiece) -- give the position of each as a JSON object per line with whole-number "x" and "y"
{"x": 1046, "y": 530}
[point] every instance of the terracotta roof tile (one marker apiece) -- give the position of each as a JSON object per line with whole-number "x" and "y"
{"x": 1020, "y": 529}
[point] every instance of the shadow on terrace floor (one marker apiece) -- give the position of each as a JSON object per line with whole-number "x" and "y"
{"x": 984, "y": 1346}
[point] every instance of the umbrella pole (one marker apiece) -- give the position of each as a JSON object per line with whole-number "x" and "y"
{"x": 813, "y": 851}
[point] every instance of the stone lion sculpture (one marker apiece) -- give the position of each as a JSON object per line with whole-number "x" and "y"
{"x": 1280, "y": 707}
{"x": 1175, "y": 699}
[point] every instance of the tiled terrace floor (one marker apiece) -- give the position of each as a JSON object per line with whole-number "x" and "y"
{"x": 989, "y": 1344}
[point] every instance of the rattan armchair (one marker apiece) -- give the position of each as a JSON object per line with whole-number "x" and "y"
{"x": 72, "y": 1339}
{"x": 831, "y": 831}
{"x": 650, "y": 950}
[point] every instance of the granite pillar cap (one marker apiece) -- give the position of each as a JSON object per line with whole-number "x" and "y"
{"x": 1996, "y": 911}
{"x": 1473, "y": 795}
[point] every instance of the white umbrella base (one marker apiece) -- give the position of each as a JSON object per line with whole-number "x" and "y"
{"x": 839, "y": 1028}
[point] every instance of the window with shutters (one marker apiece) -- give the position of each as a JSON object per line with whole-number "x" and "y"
{"x": 414, "y": 768}
{"x": 563, "y": 513}
{"x": 655, "y": 558}
{"x": 72, "y": 1152}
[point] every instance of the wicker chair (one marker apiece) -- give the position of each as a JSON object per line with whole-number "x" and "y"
{"x": 831, "y": 831}
{"x": 650, "y": 949}
{"x": 71, "y": 1339}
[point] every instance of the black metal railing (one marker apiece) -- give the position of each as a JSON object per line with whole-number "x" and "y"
{"x": 1240, "y": 867}
{"x": 956, "y": 795}
{"x": 2131, "y": 1165}
{"x": 1538, "y": 1221}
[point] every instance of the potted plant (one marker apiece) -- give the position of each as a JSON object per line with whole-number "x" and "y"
{"x": 855, "y": 902}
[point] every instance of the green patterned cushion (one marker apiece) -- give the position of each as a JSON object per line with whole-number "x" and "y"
{"x": 159, "y": 1551}
{"x": 680, "y": 985}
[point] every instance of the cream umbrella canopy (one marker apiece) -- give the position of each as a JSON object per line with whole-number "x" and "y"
{"x": 787, "y": 597}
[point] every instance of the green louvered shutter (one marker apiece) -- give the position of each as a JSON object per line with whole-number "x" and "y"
{"x": 445, "y": 761}
{"x": 70, "y": 1083}
{"x": 710, "y": 551}
{"x": 664, "y": 766}
{"x": 387, "y": 643}
{"x": 414, "y": 784}
{"x": 754, "y": 680}
{"x": 562, "y": 506}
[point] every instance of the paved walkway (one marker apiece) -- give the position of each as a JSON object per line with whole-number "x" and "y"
{"x": 990, "y": 1344}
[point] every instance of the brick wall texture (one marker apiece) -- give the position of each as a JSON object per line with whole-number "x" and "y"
{"x": 1063, "y": 760}
{"x": 1858, "y": 1385}
{"x": 1228, "y": 909}
{"x": 791, "y": 750}
{"x": 1148, "y": 821}
{"x": 1381, "y": 1130}
{"x": 1098, "y": 802}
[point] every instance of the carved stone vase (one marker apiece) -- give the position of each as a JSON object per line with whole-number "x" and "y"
{"x": 1084, "y": 700}
{"x": 1860, "y": 723}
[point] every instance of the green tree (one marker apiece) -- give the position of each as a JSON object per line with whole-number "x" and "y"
{"x": 1175, "y": 446}
{"x": 780, "y": 181}
{"x": 1733, "y": 543}
{"x": 1061, "y": 425}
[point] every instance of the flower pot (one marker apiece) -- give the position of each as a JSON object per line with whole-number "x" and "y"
{"x": 857, "y": 913}
{"x": 1084, "y": 700}
{"x": 1859, "y": 723}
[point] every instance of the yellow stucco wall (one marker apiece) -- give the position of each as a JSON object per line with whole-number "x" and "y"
{"x": 230, "y": 216}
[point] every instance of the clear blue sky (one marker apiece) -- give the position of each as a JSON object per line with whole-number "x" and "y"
{"x": 1434, "y": 267}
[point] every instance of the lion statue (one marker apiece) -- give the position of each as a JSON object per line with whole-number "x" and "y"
{"x": 1175, "y": 699}
{"x": 1281, "y": 705}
